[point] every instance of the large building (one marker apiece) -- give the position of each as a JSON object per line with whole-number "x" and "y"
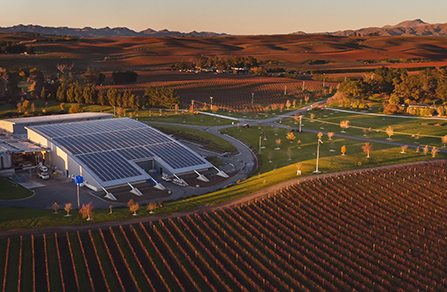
{"x": 111, "y": 153}
{"x": 17, "y": 152}
{"x": 17, "y": 125}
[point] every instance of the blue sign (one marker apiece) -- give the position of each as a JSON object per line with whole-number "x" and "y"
{"x": 78, "y": 179}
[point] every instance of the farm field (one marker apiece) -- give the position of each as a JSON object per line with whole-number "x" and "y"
{"x": 231, "y": 93}
{"x": 333, "y": 233}
{"x": 411, "y": 131}
{"x": 290, "y": 51}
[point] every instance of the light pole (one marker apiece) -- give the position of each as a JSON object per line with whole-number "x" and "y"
{"x": 318, "y": 152}
{"x": 252, "y": 97}
{"x": 260, "y": 144}
{"x": 211, "y": 98}
{"x": 301, "y": 119}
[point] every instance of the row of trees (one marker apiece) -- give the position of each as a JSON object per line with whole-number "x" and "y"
{"x": 10, "y": 47}
{"x": 45, "y": 85}
{"x": 426, "y": 86}
{"x": 220, "y": 63}
{"x": 153, "y": 97}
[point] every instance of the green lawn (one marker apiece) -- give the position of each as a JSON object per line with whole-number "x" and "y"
{"x": 291, "y": 153}
{"x": 405, "y": 129}
{"x": 10, "y": 190}
{"x": 208, "y": 140}
{"x": 181, "y": 118}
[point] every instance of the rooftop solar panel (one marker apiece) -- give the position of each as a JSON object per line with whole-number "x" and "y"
{"x": 109, "y": 165}
{"x": 109, "y": 147}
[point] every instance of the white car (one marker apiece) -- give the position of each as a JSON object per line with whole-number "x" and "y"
{"x": 43, "y": 175}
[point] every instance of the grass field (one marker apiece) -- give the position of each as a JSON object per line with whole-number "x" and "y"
{"x": 405, "y": 129}
{"x": 305, "y": 154}
{"x": 181, "y": 118}
{"x": 12, "y": 191}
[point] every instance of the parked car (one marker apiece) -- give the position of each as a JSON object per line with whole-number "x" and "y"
{"x": 43, "y": 175}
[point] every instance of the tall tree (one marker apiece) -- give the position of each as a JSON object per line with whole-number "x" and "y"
{"x": 112, "y": 95}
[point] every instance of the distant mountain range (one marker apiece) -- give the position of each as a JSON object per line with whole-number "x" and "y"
{"x": 89, "y": 32}
{"x": 415, "y": 27}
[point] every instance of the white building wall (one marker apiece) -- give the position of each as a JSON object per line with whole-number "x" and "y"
{"x": 7, "y": 125}
{"x": 57, "y": 157}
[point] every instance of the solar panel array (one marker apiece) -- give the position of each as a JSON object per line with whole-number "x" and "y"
{"x": 171, "y": 152}
{"x": 108, "y": 147}
{"x": 109, "y": 165}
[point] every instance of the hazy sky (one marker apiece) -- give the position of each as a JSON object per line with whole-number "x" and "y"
{"x": 230, "y": 16}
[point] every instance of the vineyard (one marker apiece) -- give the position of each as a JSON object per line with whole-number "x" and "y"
{"x": 371, "y": 230}
{"x": 234, "y": 93}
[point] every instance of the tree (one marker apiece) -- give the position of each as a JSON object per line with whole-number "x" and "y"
{"x": 291, "y": 137}
{"x": 367, "y": 149}
{"x": 102, "y": 97}
{"x": 444, "y": 140}
{"x": 37, "y": 78}
{"x": 343, "y": 150}
{"x": 61, "y": 93}
{"x": 126, "y": 77}
{"x": 112, "y": 95}
{"x": 65, "y": 68}
{"x": 25, "y": 105}
{"x": 78, "y": 93}
{"x": 87, "y": 211}
{"x": 93, "y": 77}
{"x": 55, "y": 207}
{"x": 288, "y": 104}
{"x": 403, "y": 149}
{"x": 278, "y": 144}
{"x": 394, "y": 99}
{"x": 71, "y": 93}
{"x": 390, "y": 132}
{"x": 43, "y": 94}
{"x": 353, "y": 88}
{"x": 410, "y": 87}
{"x": 89, "y": 95}
{"x": 426, "y": 150}
{"x": 133, "y": 207}
{"x": 434, "y": 150}
{"x": 161, "y": 97}
{"x": 151, "y": 207}
{"x": 68, "y": 208}
{"x": 344, "y": 125}
{"x": 330, "y": 135}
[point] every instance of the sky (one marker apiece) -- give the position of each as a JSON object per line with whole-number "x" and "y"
{"x": 238, "y": 17}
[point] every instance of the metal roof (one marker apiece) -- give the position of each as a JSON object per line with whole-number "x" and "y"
{"x": 60, "y": 118}
{"x": 109, "y": 148}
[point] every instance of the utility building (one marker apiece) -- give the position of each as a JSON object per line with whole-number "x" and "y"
{"x": 111, "y": 153}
